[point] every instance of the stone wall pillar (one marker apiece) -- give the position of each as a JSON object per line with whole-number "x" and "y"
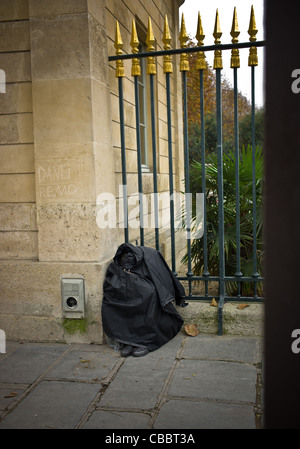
{"x": 56, "y": 157}
{"x": 71, "y": 126}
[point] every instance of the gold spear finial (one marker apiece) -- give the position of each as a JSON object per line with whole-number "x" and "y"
{"x": 183, "y": 37}
{"x": 118, "y": 46}
{"x": 168, "y": 67}
{"x": 218, "y": 63}
{"x": 150, "y": 41}
{"x": 252, "y": 31}
{"x": 135, "y": 68}
{"x": 200, "y": 63}
{"x": 235, "y": 54}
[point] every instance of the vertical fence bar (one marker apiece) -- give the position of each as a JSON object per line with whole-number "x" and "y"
{"x": 184, "y": 67}
{"x": 151, "y": 71}
{"x": 123, "y": 155}
{"x": 168, "y": 69}
{"x": 136, "y": 72}
{"x": 235, "y": 64}
{"x": 218, "y": 65}
{"x": 252, "y": 62}
{"x": 201, "y": 66}
{"x": 120, "y": 74}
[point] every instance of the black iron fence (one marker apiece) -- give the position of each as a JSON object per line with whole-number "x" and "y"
{"x": 238, "y": 278}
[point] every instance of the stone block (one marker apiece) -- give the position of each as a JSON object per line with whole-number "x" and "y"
{"x": 66, "y": 39}
{"x": 15, "y": 36}
{"x": 98, "y": 50}
{"x": 68, "y": 232}
{"x": 17, "y": 188}
{"x": 14, "y": 10}
{"x": 17, "y": 66}
{"x": 18, "y": 245}
{"x": 17, "y": 158}
{"x": 65, "y": 180}
{"x": 101, "y": 112}
{"x": 42, "y": 8}
{"x": 62, "y": 110}
{"x": 18, "y": 217}
{"x": 18, "y": 98}
{"x": 16, "y": 128}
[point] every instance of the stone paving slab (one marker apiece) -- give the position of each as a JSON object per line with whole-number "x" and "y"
{"x": 84, "y": 365}
{"x": 28, "y": 361}
{"x": 217, "y": 380}
{"x": 142, "y": 381}
{"x": 204, "y": 415}
{"x": 206, "y": 381}
{"x": 240, "y": 349}
{"x": 112, "y": 419}
{"x": 52, "y": 405}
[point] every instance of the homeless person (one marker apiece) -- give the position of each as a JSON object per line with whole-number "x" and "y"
{"x": 137, "y": 308}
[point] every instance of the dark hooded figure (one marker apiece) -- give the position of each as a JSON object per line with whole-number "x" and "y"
{"x": 138, "y": 294}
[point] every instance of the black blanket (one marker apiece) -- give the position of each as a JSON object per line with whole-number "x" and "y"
{"x": 138, "y": 294}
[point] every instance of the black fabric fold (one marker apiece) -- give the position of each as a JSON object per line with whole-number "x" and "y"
{"x": 138, "y": 294}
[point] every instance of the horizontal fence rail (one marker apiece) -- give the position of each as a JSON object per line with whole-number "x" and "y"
{"x": 184, "y": 51}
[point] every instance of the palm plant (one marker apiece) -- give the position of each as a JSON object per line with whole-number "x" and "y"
{"x": 246, "y": 216}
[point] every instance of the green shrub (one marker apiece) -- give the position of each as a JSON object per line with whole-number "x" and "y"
{"x": 246, "y": 216}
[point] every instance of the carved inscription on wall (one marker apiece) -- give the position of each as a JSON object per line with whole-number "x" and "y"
{"x": 62, "y": 180}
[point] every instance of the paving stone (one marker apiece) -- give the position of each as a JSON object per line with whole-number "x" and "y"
{"x": 223, "y": 348}
{"x": 103, "y": 419}
{"x": 9, "y": 393}
{"x": 84, "y": 365}
{"x": 214, "y": 380}
{"x": 28, "y": 362}
{"x": 183, "y": 414}
{"x": 142, "y": 381}
{"x": 52, "y": 405}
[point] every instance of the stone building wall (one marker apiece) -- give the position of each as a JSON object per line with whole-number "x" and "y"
{"x": 60, "y": 149}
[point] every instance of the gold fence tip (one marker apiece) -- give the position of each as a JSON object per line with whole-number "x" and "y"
{"x": 118, "y": 46}
{"x": 218, "y": 63}
{"x": 200, "y": 63}
{"x": 134, "y": 38}
{"x": 217, "y": 30}
{"x": 135, "y": 68}
{"x": 183, "y": 38}
{"x": 235, "y": 26}
{"x": 200, "y": 34}
{"x": 168, "y": 67}
{"x": 150, "y": 41}
{"x": 118, "y": 39}
{"x": 235, "y": 54}
{"x": 166, "y": 35}
{"x": 252, "y": 31}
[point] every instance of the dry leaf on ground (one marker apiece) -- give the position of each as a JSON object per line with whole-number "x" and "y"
{"x": 242, "y": 306}
{"x": 191, "y": 329}
{"x": 214, "y": 303}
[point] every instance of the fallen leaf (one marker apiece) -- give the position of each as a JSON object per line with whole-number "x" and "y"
{"x": 214, "y": 303}
{"x": 191, "y": 329}
{"x": 11, "y": 395}
{"x": 84, "y": 361}
{"x": 242, "y": 306}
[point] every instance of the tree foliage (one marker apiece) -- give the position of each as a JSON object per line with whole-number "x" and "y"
{"x": 193, "y": 98}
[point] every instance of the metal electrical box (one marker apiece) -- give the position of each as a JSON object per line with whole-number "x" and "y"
{"x": 72, "y": 292}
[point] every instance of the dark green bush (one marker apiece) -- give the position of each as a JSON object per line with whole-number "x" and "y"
{"x": 246, "y": 216}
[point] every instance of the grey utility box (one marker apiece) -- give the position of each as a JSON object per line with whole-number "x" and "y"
{"x": 72, "y": 293}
